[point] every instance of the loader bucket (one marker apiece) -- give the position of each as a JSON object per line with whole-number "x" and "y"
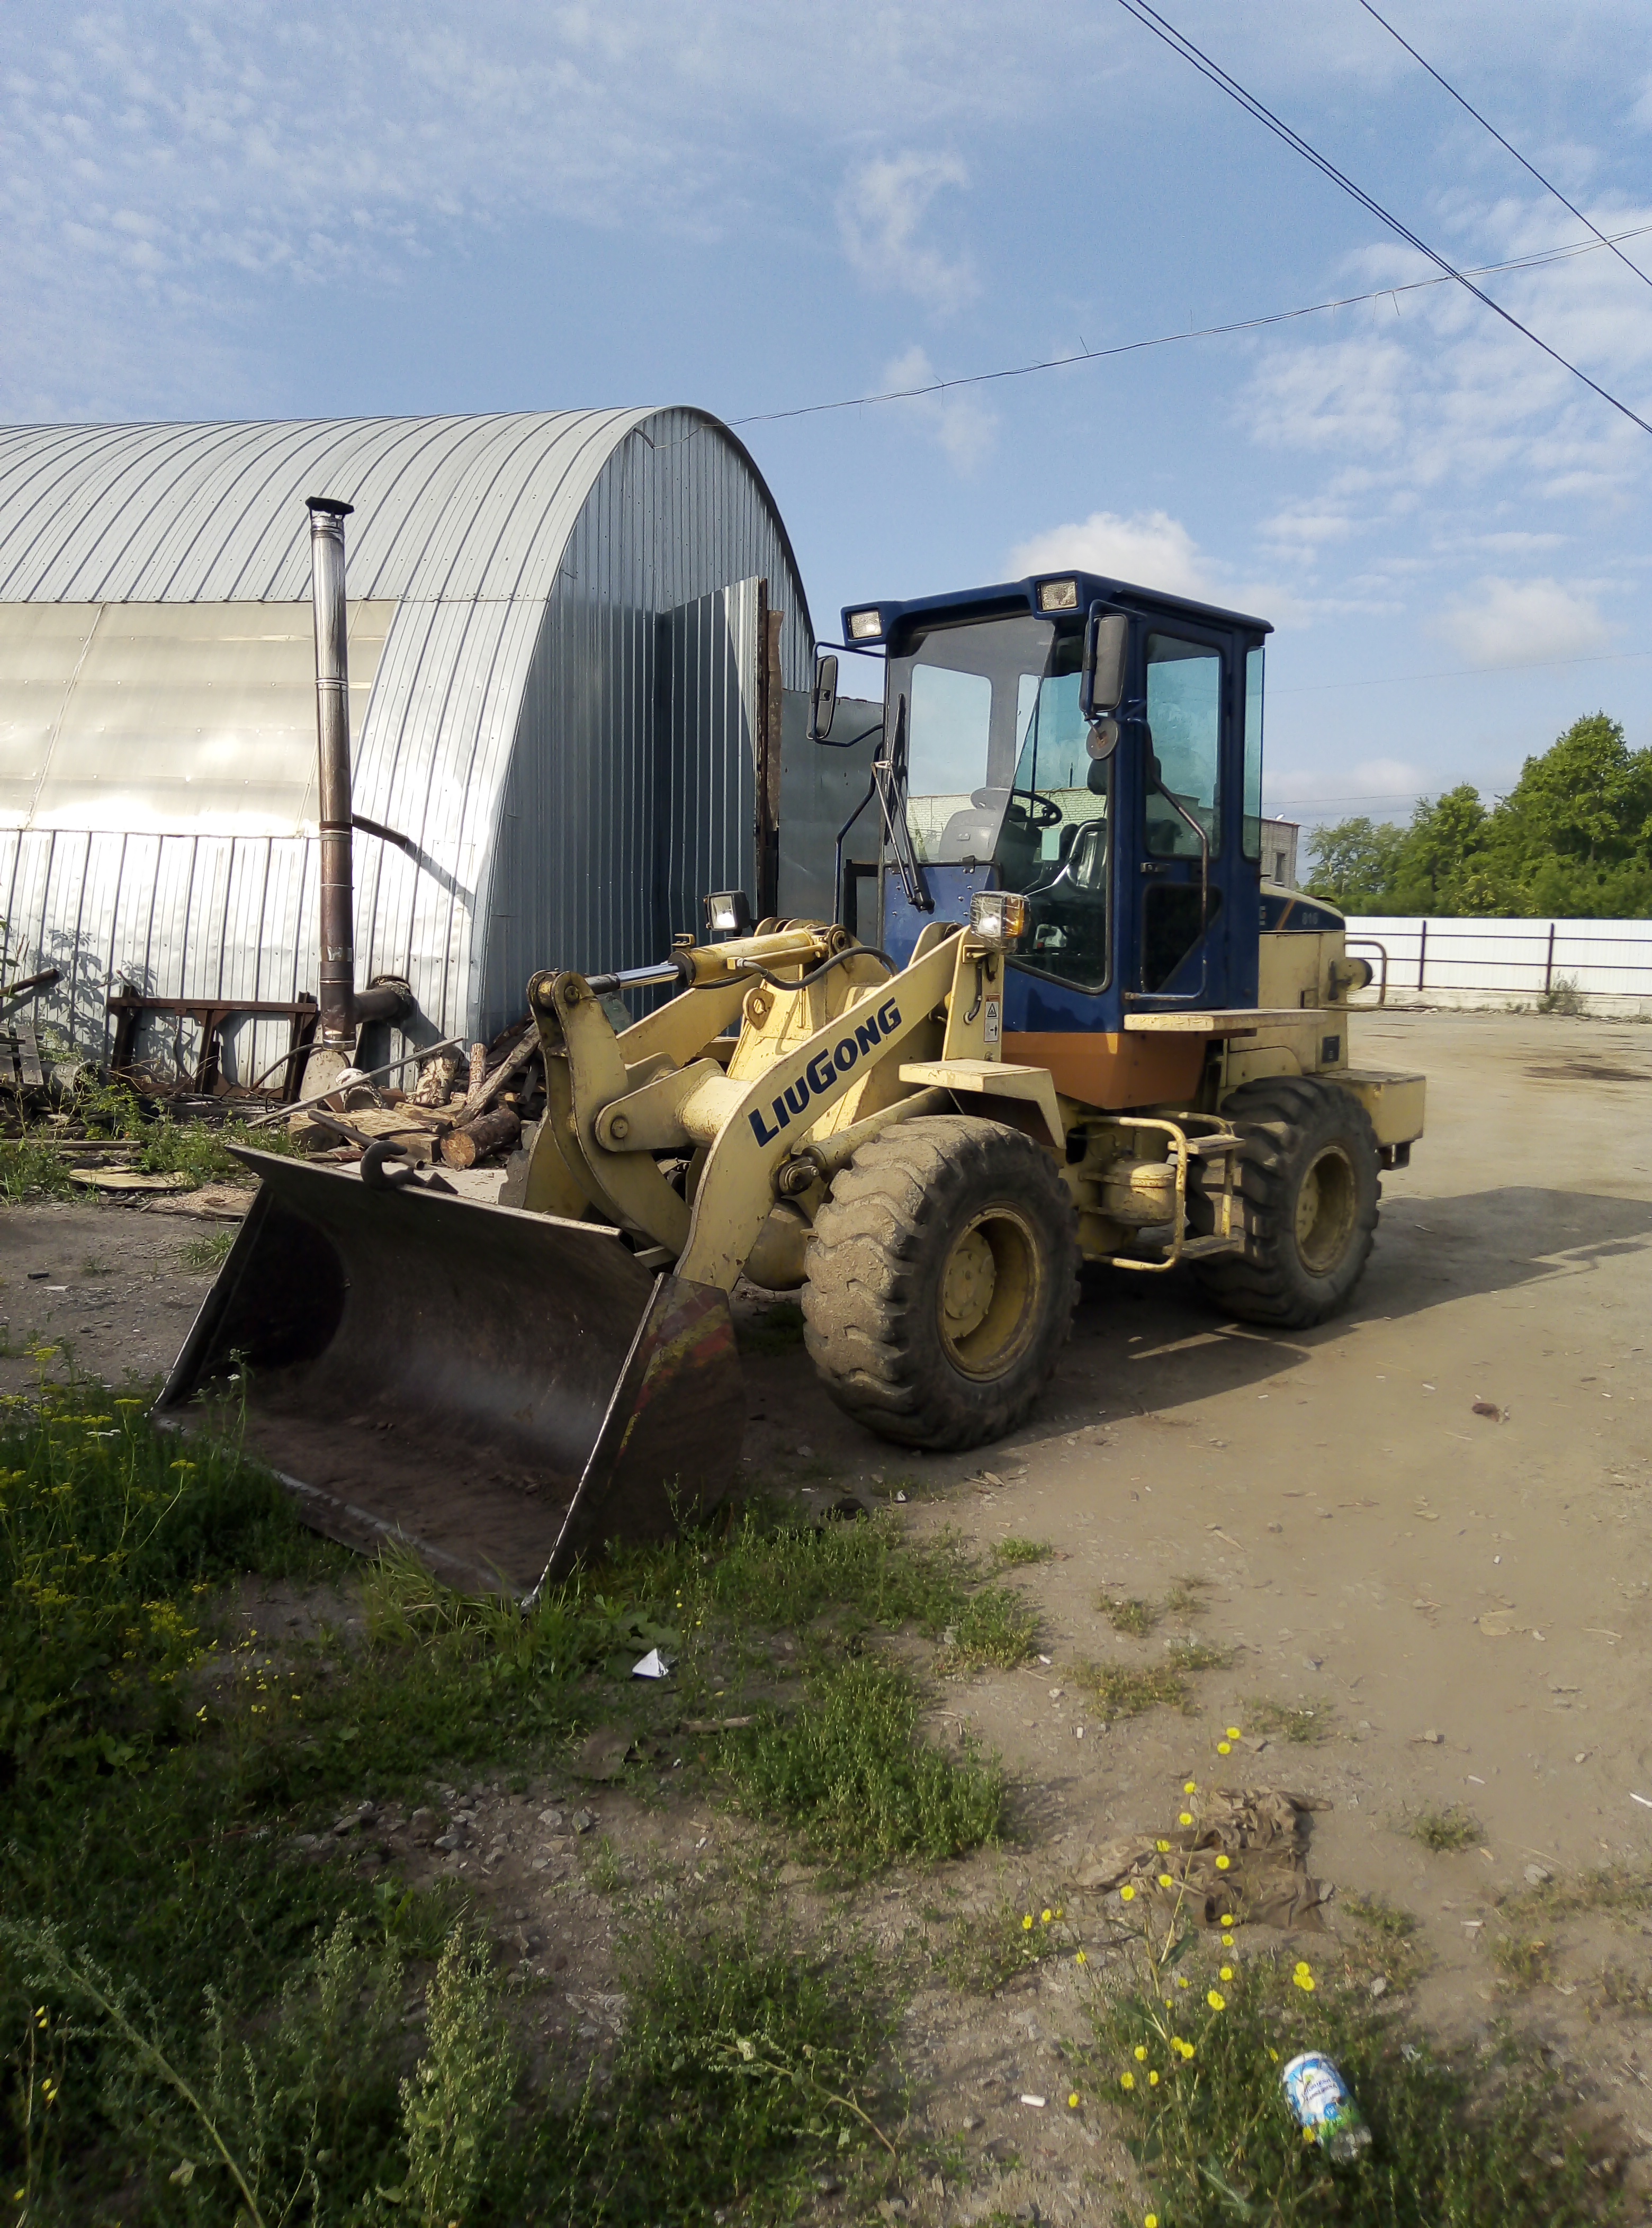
{"x": 501, "y": 1392}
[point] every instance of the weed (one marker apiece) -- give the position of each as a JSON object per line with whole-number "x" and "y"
{"x": 1521, "y": 1963}
{"x": 1198, "y": 1655}
{"x": 1012, "y": 1551}
{"x": 988, "y": 1949}
{"x": 209, "y": 1251}
{"x": 1121, "y": 1691}
{"x": 1184, "y": 1598}
{"x": 1445, "y": 1830}
{"x": 994, "y": 1626}
{"x": 1455, "y": 2143}
{"x": 1280, "y": 1722}
{"x": 1620, "y": 1891}
{"x": 1383, "y": 1918}
{"x": 1616, "y": 1989}
{"x": 850, "y": 1772}
{"x": 743, "y": 2067}
{"x": 1133, "y": 1617}
{"x": 461, "y": 2090}
{"x": 32, "y": 1168}
{"x": 93, "y": 1267}
{"x": 604, "y": 1873}
{"x": 1562, "y": 997}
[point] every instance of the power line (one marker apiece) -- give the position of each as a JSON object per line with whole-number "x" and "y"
{"x": 1179, "y": 44}
{"x": 1195, "y": 333}
{"x": 1548, "y": 184}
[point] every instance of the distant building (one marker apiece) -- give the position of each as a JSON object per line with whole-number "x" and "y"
{"x": 1279, "y": 852}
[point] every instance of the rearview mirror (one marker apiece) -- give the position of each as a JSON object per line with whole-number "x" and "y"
{"x": 1101, "y": 682}
{"x": 823, "y": 697}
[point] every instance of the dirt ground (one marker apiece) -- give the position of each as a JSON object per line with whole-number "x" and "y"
{"x": 1463, "y": 1599}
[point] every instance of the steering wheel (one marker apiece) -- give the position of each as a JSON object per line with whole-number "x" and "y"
{"x": 1038, "y": 812}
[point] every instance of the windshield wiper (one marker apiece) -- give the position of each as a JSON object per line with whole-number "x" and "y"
{"x": 888, "y": 777}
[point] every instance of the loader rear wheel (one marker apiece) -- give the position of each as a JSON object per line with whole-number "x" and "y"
{"x": 942, "y": 1274}
{"x": 1308, "y": 1186}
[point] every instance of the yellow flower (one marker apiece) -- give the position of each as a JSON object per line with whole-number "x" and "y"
{"x": 1233, "y": 1732}
{"x": 1163, "y": 1847}
{"x": 1150, "y": 2221}
{"x": 1073, "y": 2101}
{"x": 1180, "y": 1981}
{"x": 1026, "y": 1924}
{"x": 1190, "y": 1786}
{"x": 1060, "y": 1912}
{"x": 1044, "y": 1917}
{"x": 1228, "y": 1941}
{"x": 1185, "y": 1818}
{"x": 1141, "y": 2053}
{"x": 1127, "y": 2080}
{"x": 1304, "y": 1978}
{"x": 1224, "y": 1748}
{"x": 1226, "y": 1973}
{"x": 1222, "y": 1863}
{"x": 1152, "y": 2080}
{"x": 1127, "y": 1895}
{"x": 1273, "y": 2054}
{"x": 1165, "y": 1880}
{"x": 1309, "y": 2135}
{"x": 1216, "y": 2000}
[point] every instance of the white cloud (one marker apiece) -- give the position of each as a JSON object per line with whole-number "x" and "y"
{"x": 960, "y": 422}
{"x": 1338, "y": 394}
{"x": 1150, "y": 546}
{"x": 1522, "y": 623}
{"x": 883, "y": 203}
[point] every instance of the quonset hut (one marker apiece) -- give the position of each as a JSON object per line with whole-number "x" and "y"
{"x": 569, "y": 637}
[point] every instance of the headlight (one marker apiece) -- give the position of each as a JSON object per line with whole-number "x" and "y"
{"x": 728, "y": 912}
{"x": 1058, "y": 595}
{"x": 998, "y": 916}
{"x": 865, "y": 626}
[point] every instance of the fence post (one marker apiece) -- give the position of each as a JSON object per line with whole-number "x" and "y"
{"x": 1548, "y": 964}
{"x": 1422, "y": 953}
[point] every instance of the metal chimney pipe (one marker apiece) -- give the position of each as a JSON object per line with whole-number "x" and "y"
{"x": 338, "y": 1017}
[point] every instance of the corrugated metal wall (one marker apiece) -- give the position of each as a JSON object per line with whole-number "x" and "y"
{"x": 519, "y": 728}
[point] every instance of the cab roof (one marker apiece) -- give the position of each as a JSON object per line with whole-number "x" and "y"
{"x": 1008, "y": 596}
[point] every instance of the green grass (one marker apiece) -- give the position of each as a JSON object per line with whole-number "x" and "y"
{"x": 206, "y": 2002}
{"x": 209, "y": 1251}
{"x": 1445, "y": 1830}
{"x": 1622, "y": 1891}
{"x": 986, "y": 1950}
{"x": 1130, "y": 1614}
{"x": 994, "y": 1626}
{"x": 850, "y": 1773}
{"x": 1386, "y": 1920}
{"x": 1012, "y": 1552}
{"x": 1523, "y": 1961}
{"x": 36, "y": 1164}
{"x": 1124, "y": 1690}
{"x": 1458, "y": 2141}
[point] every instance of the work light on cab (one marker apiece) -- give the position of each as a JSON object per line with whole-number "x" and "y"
{"x": 998, "y": 917}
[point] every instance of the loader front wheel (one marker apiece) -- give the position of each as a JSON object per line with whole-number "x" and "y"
{"x": 1308, "y": 1186}
{"x": 942, "y": 1273}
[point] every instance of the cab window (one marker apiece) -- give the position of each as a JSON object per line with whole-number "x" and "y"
{"x": 1184, "y": 718}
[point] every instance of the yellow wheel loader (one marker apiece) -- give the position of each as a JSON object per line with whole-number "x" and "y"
{"x": 1077, "y": 1027}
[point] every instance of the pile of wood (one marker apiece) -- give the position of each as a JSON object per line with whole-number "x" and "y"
{"x": 436, "y": 1122}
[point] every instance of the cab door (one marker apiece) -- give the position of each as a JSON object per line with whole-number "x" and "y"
{"x": 1180, "y": 942}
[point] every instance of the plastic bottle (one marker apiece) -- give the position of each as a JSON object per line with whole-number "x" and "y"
{"x": 1320, "y": 2101}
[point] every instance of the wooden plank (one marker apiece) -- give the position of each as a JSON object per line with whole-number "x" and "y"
{"x": 29, "y": 1055}
{"x": 1232, "y": 1021}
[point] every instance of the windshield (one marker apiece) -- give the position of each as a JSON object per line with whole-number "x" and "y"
{"x": 1053, "y": 843}
{"x": 998, "y": 769}
{"x": 958, "y": 702}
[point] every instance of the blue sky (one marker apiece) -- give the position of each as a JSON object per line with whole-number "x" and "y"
{"x": 294, "y": 210}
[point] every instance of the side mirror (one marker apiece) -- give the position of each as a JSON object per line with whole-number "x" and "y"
{"x": 823, "y": 697}
{"x": 1101, "y": 681}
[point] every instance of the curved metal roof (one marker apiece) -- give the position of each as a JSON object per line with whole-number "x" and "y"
{"x": 449, "y": 509}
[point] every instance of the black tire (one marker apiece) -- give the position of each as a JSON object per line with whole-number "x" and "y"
{"x": 1308, "y": 1186}
{"x": 941, "y": 1275}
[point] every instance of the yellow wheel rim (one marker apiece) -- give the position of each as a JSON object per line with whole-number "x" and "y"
{"x": 990, "y": 1287}
{"x": 1327, "y": 1207}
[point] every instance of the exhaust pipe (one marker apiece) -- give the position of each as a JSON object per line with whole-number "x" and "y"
{"x": 343, "y": 1007}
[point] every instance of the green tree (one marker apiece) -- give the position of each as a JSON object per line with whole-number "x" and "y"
{"x": 1354, "y": 862}
{"x": 1587, "y": 800}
